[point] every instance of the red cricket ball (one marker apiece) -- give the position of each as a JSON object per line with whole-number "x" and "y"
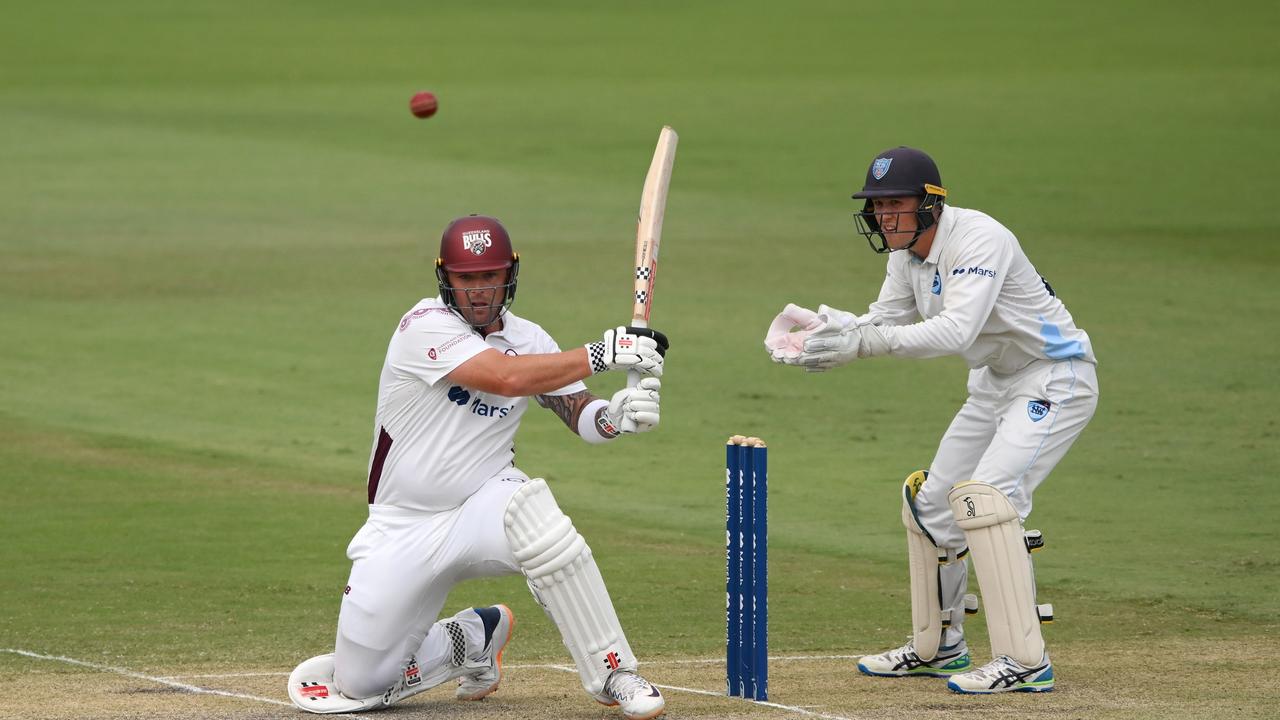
{"x": 423, "y": 105}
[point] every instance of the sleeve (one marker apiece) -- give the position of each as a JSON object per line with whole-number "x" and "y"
{"x": 431, "y": 345}
{"x": 974, "y": 276}
{"x": 897, "y": 303}
{"x": 544, "y": 343}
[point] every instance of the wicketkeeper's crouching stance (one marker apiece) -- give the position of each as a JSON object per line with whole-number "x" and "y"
{"x": 1032, "y": 389}
{"x": 446, "y": 502}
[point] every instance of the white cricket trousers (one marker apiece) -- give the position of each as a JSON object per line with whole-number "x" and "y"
{"x": 1010, "y": 433}
{"x": 1006, "y": 436}
{"x": 403, "y": 565}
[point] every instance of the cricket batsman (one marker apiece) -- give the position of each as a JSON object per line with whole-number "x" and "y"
{"x": 447, "y": 502}
{"x": 957, "y": 283}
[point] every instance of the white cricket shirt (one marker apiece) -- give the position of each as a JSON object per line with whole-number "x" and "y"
{"x": 979, "y": 297}
{"x": 435, "y": 442}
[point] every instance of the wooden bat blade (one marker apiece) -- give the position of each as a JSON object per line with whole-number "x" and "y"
{"x": 653, "y": 207}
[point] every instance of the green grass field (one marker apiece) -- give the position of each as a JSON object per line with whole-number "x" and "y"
{"x": 213, "y": 214}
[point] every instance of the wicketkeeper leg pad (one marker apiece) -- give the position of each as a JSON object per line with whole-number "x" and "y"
{"x": 935, "y": 602}
{"x": 567, "y": 583}
{"x": 999, "y": 548}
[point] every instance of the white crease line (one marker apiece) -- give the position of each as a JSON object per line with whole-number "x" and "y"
{"x": 718, "y": 694}
{"x": 562, "y": 668}
{"x": 151, "y": 678}
{"x": 552, "y": 666}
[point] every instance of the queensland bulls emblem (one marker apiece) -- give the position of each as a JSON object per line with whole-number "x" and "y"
{"x": 477, "y": 241}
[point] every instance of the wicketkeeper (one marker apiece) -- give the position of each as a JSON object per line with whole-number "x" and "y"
{"x": 447, "y": 503}
{"x": 958, "y": 283}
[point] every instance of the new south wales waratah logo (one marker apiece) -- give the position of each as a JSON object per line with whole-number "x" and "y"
{"x": 880, "y": 168}
{"x": 1037, "y": 409}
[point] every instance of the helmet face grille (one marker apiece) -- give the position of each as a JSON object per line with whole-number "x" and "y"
{"x": 460, "y": 300}
{"x": 868, "y": 223}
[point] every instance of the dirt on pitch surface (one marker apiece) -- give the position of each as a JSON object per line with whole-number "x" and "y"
{"x": 1170, "y": 680}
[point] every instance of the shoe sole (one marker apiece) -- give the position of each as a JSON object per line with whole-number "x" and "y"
{"x": 650, "y": 716}
{"x": 497, "y": 661}
{"x": 1024, "y": 688}
{"x": 928, "y": 674}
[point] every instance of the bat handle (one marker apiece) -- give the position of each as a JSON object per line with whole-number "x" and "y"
{"x": 633, "y": 379}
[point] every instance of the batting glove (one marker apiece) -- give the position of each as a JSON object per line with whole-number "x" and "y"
{"x": 628, "y": 348}
{"x": 637, "y": 404}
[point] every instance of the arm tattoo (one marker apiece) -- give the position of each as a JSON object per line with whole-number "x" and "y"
{"x": 567, "y": 407}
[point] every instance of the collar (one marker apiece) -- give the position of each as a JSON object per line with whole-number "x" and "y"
{"x": 946, "y": 221}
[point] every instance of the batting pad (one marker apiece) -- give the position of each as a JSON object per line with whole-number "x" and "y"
{"x": 311, "y": 688}
{"x": 928, "y": 618}
{"x": 996, "y": 541}
{"x": 566, "y": 581}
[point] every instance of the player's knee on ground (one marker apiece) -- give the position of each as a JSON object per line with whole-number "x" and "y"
{"x": 361, "y": 672}
{"x": 565, "y": 579}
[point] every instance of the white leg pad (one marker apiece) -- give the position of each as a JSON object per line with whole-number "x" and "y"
{"x": 566, "y": 581}
{"x": 922, "y": 555}
{"x": 996, "y": 541}
{"x": 311, "y": 688}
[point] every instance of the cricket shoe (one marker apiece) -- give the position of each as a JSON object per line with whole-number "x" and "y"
{"x": 1004, "y": 674}
{"x": 904, "y": 662}
{"x": 499, "y": 622}
{"x": 637, "y": 697}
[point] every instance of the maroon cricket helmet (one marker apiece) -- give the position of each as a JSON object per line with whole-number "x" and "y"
{"x": 477, "y": 243}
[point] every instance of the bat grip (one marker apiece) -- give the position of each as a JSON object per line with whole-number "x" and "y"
{"x": 638, "y": 319}
{"x": 633, "y": 379}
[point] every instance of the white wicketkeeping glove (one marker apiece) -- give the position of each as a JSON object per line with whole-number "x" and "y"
{"x": 638, "y": 404}
{"x": 628, "y": 348}
{"x": 841, "y": 338}
{"x": 786, "y": 335}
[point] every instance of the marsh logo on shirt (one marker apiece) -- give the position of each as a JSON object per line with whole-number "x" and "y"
{"x": 477, "y": 241}
{"x": 1037, "y": 410}
{"x": 975, "y": 270}
{"x": 461, "y": 397}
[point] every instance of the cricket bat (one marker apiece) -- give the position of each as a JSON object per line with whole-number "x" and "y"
{"x": 653, "y": 206}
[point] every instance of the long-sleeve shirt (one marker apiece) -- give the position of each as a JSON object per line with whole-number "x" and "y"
{"x": 979, "y": 297}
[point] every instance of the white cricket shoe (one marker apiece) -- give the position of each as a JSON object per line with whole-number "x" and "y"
{"x": 1004, "y": 674}
{"x": 499, "y": 622}
{"x": 904, "y": 662}
{"x": 637, "y": 697}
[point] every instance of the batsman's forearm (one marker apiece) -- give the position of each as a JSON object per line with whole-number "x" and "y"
{"x": 527, "y": 375}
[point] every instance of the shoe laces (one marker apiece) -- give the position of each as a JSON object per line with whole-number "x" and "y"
{"x": 1001, "y": 667}
{"x": 625, "y": 684}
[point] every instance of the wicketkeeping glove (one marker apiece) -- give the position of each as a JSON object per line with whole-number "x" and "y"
{"x": 638, "y": 404}
{"x": 788, "y": 331}
{"x": 841, "y": 338}
{"x": 628, "y": 348}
